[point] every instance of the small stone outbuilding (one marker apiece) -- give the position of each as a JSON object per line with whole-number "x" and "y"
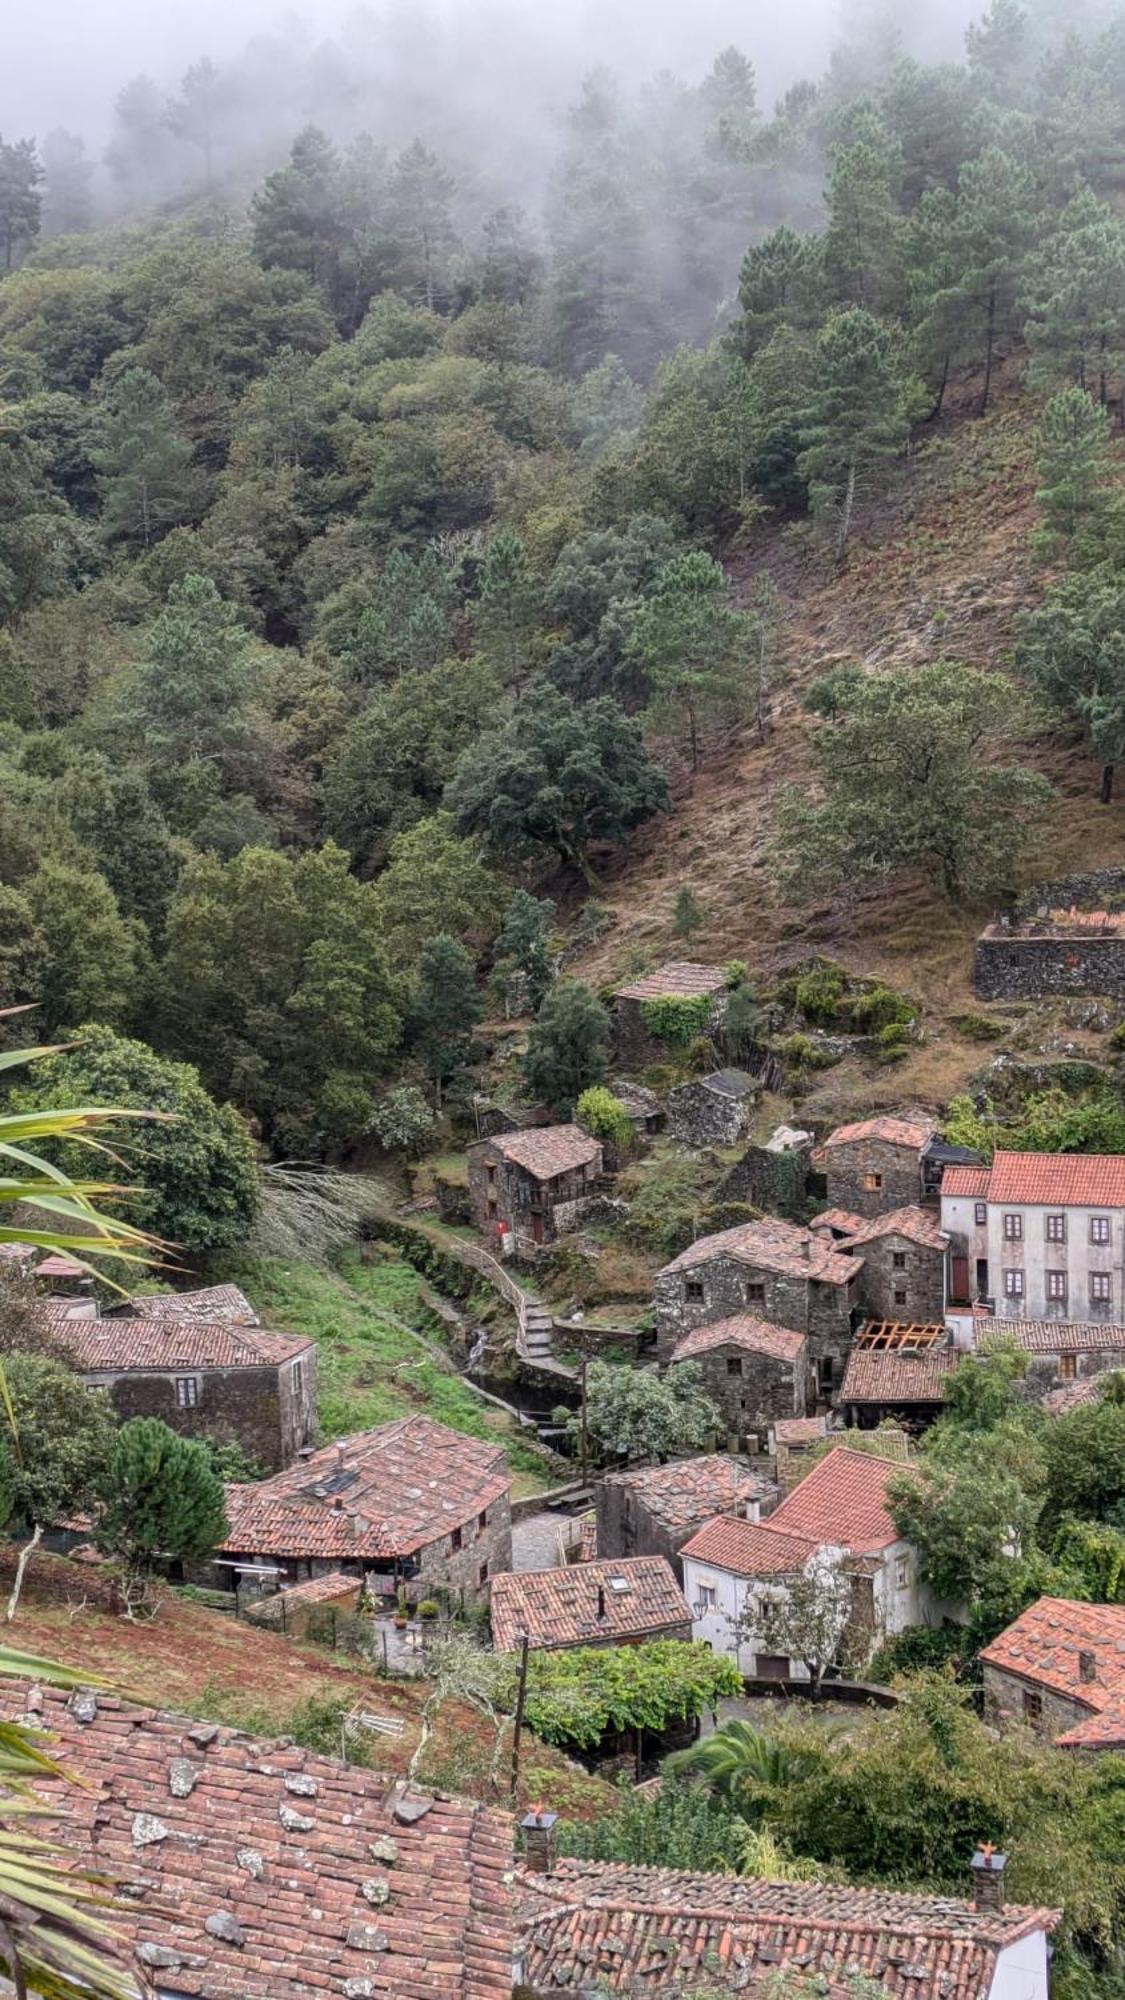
{"x": 1059, "y": 1668}
{"x": 715, "y": 1110}
{"x": 874, "y": 1166}
{"x": 774, "y": 1271}
{"x": 529, "y": 1188}
{"x": 906, "y": 1382}
{"x": 620, "y": 1603}
{"x": 754, "y": 1371}
{"x": 1060, "y": 1352}
{"x": 636, "y": 1043}
{"x": 652, "y": 1510}
{"x": 904, "y": 1255}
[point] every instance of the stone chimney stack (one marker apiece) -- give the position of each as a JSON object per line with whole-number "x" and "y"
{"x": 539, "y": 1835}
{"x": 988, "y": 1866}
{"x": 1087, "y": 1665}
{"x": 601, "y": 1600}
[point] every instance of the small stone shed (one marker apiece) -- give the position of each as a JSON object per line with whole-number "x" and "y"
{"x": 653, "y": 1510}
{"x": 620, "y": 1603}
{"x": 753, "y": 1370}
{"x": 715, "y": 1110}
{"x": 532, "y": 1186}
{"x": 1059, "y": 1668}
{"x": 875, "y": 1165}
{"x": 635, "y": 1043}
{"x": 906, "y": 1380}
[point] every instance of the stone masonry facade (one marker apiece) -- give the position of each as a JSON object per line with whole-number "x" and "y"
{"x": 1049, "y": 1714}
{"x": 1011, "y": 966}
{"x": 537, "y": 1210}
{"x": 269, "y": 1411}
{"x": 871, "y": 1177}
{"x": 701, "y": 1116}
{"x": 750, "y": 1388}
{"x": 464, "y": 1565}
{"x": 902, "y": 1279}
{"x": 728, "y": 1285}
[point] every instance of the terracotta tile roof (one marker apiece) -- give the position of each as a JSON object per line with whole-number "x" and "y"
{"x": 133, "y": 1345}
{"x": 911, "y": 1132}
{"x": 1063, "y": 1180}
{"x": 678, "y": 980}
{"x": 772, "y": 1245}
{"x": 1072, "y": 1395}
{"x": 691, "y": 1489}
{"x": 621, "y": 1924}
{"x": 1043, "y": 1646}
{"x": 749, "y": 1548}
{"x": 1056, "y": 1336}
{"x": 1097, "y": 1732}
{"x": 757, "y": 1336}
{"x": 211, "y": 1303}
{"x": 900, "y": 1375}
{"x": 839, "y": 1220}
{"x": 253, "y": 1870}
{"x": 384, "y": 1492}
{"x": 315, "y": 1590}
{"x": 547, "y": 1150}
{"x": 559, "y": 1607}
{"x": 971, "y": 1181}
{"x": 843, "y": 1501}
{"x": 799, "y": 1430}
{"x": 59, "y": 1266}
{"x": 917, "y": 1225}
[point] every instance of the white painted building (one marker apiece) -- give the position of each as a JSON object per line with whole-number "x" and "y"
{"x": 839, "y": 1509}
{"x": 1038, "y": 1235}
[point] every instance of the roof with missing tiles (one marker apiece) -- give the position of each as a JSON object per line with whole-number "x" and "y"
{"x": 616, "y": 1926}
{"x": 691, "y": 1489}
{"x": 916, "y": 1225}
{"x": 253, "y": 1870}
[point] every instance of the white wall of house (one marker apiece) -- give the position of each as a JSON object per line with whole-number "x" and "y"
{"x": 1043, "y": 1263}
{"x": 1021, "y": 1970}
{"x": 719, "y": 1601}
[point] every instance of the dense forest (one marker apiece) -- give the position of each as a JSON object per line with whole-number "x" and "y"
{"x": 363, "y": 535}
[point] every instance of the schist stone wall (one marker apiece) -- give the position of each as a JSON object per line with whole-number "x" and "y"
{"x": 468, "y": 1569}
{"x": 1003, "y": 1702}
{"x": 903, "y": 1280}
{"x": 1008, "y": 965}
{"x": 1045, "y": 1371}
{"x": 726, "y": 1286}
{"x": 869, "y": 1177}
{"x": 269, "y": 1411}
{"x": 702, "y": 1117}
{"x": 780, "y": 1182}
{"x": 750, "y": 1388}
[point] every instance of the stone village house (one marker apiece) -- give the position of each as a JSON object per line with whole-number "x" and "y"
{"x": 774, "y": 1271}
{"x": 652, "y": 1510}
{"x": 635, "y": 1045}
{"x": 529, "y": 1188}
{"x": 221, "y": 1380}
{"x": 876, "y": 1165}
{"x": 620, "y": 1603}
{"x": 841, "y": 1506}
{"x": 410, "y": 1502}
{"x": 1061, "y": 1353}
{"x": 754, "y": 1371}
{"x": 715, "y": 1110}
{"x": 1060, "y": 1668}
{"x": 904, "y": 1258}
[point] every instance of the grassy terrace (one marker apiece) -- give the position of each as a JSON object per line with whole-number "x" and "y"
{"x": 370, "y": 1369}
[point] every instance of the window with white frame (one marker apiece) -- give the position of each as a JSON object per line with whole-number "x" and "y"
{"x": 1013, "y": 1284}
{"x": 1099, "y": 1229}
{"x": 1056, "y": 1229}
{"x": 1101, "y": 1288}
{"x": 705, "y": 1599}
{"x": 1013, "y": 1229}
{"x": 1056, "y": 1286}
{"x": 187, "y": 1392}
{"x": 980, "y": 1213}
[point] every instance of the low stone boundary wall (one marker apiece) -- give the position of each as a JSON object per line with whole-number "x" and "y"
{"x": 1007, "y": 966}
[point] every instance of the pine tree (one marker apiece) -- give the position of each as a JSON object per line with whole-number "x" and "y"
{"x": 994, "y": 232}
{"x": 21, "y": 203}
{"x": 197, "y": 114}
{"x": 1073, "y": 462}
{"x": 688, "y": 914}
{"x": 858, "y": 417}
{"x": 692, "y": 645}
{"x": 160, "y": 1497}
{"x": 446, "y": 1008}
{"x": 863, "y": 241}
{"x": 419, "y": 198}
{"x": 509, "y": 606}
{"x": 298, "y": 212}
{"x": 1075, "y": 298}
{"x": 142, "y": 460}
{"x": 68, "y": 204}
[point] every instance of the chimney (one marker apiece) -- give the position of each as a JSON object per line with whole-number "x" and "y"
{"x": 539, "y": 1834}
{"x": 988, "y": 1877}
{"x": 601, "y": 1600}
{"x": 1087, "y": 1665}
{"x": 340, "y": 1458}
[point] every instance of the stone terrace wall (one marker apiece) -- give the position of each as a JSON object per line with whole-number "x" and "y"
{"x": 1007, "y": 966}
{"x": 1101, "y": 889}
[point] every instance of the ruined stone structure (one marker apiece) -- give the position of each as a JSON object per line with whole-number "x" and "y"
{"x": 754, "y": 1371}
{"x": 777, "y": 1176}
{"x": 532, "y": 1186}
{"x": 714, "y": 1110}
{"x": 635, "y": 1045}
{"x": 874, "y": 1166}
{"x": 1062, "y": 937}
{"x": 773, "y": 1271}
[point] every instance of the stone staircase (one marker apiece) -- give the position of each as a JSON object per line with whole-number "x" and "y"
{"x": 536, "y": 1328}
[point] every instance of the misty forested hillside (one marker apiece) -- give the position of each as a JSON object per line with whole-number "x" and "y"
{"x": 408, "y": 596}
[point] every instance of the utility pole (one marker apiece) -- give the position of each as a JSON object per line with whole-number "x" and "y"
{"x": 583, "y": 1434}
{"x": 521, "y": 1694}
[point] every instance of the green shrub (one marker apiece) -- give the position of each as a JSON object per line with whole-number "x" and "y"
{"x": 894, "y": 1035}
{"x": 920, "y": 1649}
{"x": 1117, "y": 1039}
{"x": 737, "y": 973}
{"x": 795, "y": 1050}
{"x": 820, "y": 993}
{"x": 429, "y": 1608}
{"x": 677, "y": 1018}
{"x": 978, "y": 1028}
{"x": 603, "y": 1115}
{"x": 881, "y": 1008}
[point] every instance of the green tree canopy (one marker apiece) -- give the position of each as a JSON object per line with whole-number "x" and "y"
{"x": 566, "y": 1047}
{"x": 631, "y": 1413}
{"x": 445, "y": 1008}
{"x": 160, "y": 1496}
{"x": 142, "y": 461}
{"x": 1072, "y": 650}
{"x": 857, "y": 418}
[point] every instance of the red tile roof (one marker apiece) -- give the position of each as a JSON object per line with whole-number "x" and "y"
{"x": 1056, "y": 1336}
{"x": 385, "y": 1492}
{"x": 134, "y": 1345}
{"x": 211, "y": 1303}
{"x": 840, "y": 1220}
{"x": 757, "y": 1336}
{"x": 772, "y": 1245}
{"x": 679, "y": 980}
{"x": 1043, "y": 1646}
{"x": 749, "y": 1548}
{"x": 911, "y": 1132}
{"x": 1063, "y": 1180}
{"x": 691, "y": 1489}
{"x": 559, "y": 1607}
{"x": 898, "y": 1375}
{"x": 547, "y": 1150}
{"x": 843, "y": 1501}
{"x": 916, "y": 1225}
{"x": 971, "y": 1181}
{"x": 624, "y": 1926}
{"x": 799, "y": 1430}
{"x": 1072, "y": 1395}
{"x": 253, "y": 1870}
